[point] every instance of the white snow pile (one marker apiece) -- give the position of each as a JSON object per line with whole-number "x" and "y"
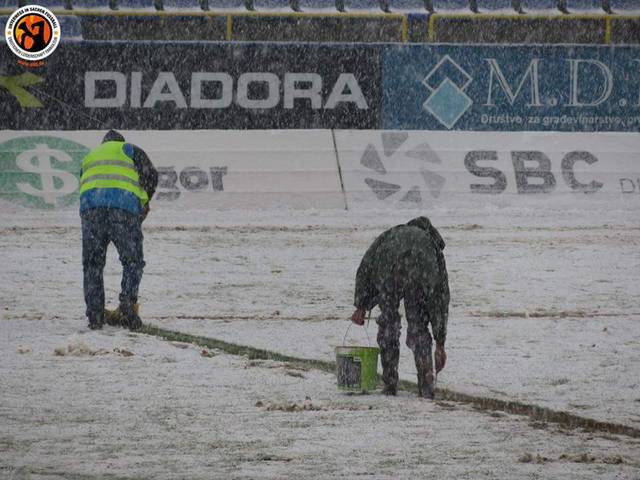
{"x": 77, "y": 348}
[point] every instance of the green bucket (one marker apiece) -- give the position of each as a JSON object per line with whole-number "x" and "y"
{"x": 357, "y": 368}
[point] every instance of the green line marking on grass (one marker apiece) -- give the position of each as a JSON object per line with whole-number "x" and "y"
{"x": 535, "y": 412}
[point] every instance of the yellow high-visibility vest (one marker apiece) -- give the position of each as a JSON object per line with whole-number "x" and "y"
{"x": 107, "y": 166}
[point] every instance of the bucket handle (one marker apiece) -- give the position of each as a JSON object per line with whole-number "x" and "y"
{"x": 366, "y": 331}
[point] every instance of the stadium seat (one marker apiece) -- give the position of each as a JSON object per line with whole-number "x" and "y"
{"x": 623, "y": 6}
{"x": 91, "y": 4}
{"x": 445, "y": 5}
{"x": 181, "y": 5}
{"x": 578, "y": 6}
{"x": 373, "y": 5}
{"x": 538, "y": 5}
{"x": 493, "y": 5}
{"x": 51, "y": 4}
{"x": 276, "y": 5}
{"x": 71, "y": 27}
{"x": 136, "y": 4}
{"x": 317, "y": 5}
{"x": 408, "y": 6}
{"x": 227, "y": 5}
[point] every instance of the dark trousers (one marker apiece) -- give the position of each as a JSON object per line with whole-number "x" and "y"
{"x": 100, "y": 226}
{"x": 407, "y": 283}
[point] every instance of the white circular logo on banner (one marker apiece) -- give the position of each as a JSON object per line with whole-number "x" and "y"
{"x": 32, "y": 32}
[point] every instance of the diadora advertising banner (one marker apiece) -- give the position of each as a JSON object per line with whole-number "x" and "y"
{"x": 197, "y": 169}
{"x": 511, "y": 88}
{"x": 166, "y": 86}
{"x": 406, "y": 169}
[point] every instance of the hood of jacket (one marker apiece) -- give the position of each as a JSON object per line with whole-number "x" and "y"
{"x": 423, "y": 223}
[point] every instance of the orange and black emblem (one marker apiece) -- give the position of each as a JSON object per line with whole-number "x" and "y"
{"x": 33, "y": 32}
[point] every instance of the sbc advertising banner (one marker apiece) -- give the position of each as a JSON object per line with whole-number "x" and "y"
{"x": 511, "y": 88}
{"x": 204, "y": 85}
{"x": 416, "y": 169}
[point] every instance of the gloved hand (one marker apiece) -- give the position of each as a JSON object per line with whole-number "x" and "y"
{"x": 440, "y": 356}
{"x": 145, "y": 211}
{"x": 358, "y": 316}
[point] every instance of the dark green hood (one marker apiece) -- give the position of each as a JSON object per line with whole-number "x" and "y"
{"x": 423, "y": 223}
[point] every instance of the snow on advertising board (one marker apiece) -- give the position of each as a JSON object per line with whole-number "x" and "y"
{"x": 416, "y": 169}
{"x": 197, "y": 169}
{"x": 511, "y": 88}
{"x": 189, "y": 85}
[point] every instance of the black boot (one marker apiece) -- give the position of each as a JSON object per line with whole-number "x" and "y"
{"x": 96, "y": 321}
{"x": 391, "y": 390}
{"x": 129, "y": 316}
{"x": 389, "y": 358}
{"x": 426, "y": 385}
{"x": 424, "y": 366}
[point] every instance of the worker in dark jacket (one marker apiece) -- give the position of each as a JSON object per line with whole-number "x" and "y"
{"x": 406, "y": 262}
{"x": 116, "y": 184}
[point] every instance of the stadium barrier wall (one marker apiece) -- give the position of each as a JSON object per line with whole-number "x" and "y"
{"x": 355, "y": 26}
{"x": 624, "y": 30}
{"x": 588, "y": 29}
{"x": 311, "y": 27}
{"x": 155, "y": 27}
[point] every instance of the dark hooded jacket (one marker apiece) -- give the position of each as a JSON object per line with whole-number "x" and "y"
{"x": 417, "y": 240}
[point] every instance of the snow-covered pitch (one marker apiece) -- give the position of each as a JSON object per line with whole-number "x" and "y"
{"x": 544, "y": 311}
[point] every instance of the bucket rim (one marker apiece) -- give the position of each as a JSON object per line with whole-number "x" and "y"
{"x": 351, "y": 347}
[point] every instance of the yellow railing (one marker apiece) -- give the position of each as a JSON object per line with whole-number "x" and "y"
{"x": 405, "y": 25}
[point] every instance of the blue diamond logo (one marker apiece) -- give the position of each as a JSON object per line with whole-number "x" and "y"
{"x": 447, "y": 103}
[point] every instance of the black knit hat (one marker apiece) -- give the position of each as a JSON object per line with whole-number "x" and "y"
{"x": 113, "y": 136}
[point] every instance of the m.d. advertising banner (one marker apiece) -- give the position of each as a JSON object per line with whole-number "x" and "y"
{"x": 511, "y": 88}
{"x": 167, "y": 86}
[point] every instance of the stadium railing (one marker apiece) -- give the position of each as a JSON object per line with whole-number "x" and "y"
{"x": 421, "y": 21}
{"x": 426, "y": 6}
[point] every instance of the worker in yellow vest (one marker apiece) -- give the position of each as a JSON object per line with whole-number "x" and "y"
{"x": 116, "y": 184}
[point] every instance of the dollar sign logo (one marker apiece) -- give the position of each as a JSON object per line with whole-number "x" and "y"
{"x": 38, "y": 161}
{"x": 40, "y": 171}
